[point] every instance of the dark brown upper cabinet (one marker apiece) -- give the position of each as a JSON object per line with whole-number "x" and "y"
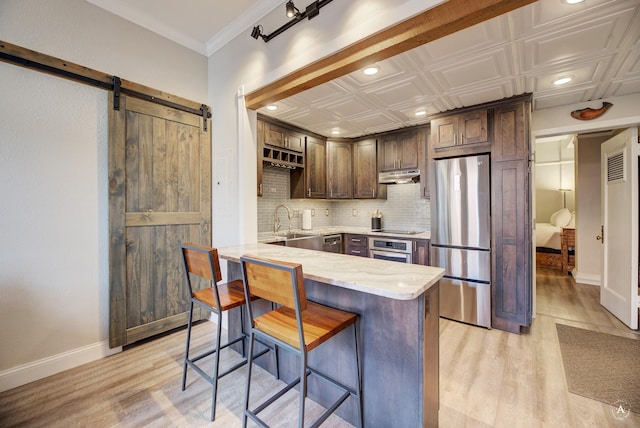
{"x": 399, "y": 150}
{"x": 365, "y": 171}
{"x": 339, "y": 170}
{"x": 463, "y": 133}
{"x": 278, "y": 136}
{"x": 311, "y": 181}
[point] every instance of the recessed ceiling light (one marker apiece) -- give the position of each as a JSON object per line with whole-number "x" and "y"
{"x": 272, "y": 107}
{"x": 370, "y": 71}
{"x": 335, "y": 132}
{"x": 421, "y": 113}
{"x": 573, "y": 1}
{"x": 562, "y": 80}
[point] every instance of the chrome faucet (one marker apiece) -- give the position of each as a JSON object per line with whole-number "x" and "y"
{"x": 276, "y": 219}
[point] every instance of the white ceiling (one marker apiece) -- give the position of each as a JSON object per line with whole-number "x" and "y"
{"x": 597, "y": 42}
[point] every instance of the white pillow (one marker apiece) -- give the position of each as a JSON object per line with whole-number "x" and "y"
{"x": 572, "y": 222}
{"x": 561, "y": 217}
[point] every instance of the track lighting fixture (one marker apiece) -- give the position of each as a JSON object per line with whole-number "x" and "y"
{"x": 291, "y": 9}
{"x": 257, "y": 32}
{"x": 296, "y": 16}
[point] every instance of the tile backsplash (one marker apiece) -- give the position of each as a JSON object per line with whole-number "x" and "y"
{"x": 403, "y": 208}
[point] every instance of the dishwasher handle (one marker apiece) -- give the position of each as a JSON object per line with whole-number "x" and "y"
{"x": 332, "y": 239}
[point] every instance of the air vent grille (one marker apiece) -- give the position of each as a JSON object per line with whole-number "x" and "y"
{"x": 615, "y": 167}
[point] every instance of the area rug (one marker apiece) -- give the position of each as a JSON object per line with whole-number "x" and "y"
{"x": 601, "y": 366}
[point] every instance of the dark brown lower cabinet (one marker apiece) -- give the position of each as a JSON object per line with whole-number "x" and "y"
{"x": 356, "y": 245}
{"x": 420, "y": 252}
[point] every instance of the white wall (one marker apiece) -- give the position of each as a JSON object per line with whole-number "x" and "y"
{"x": 557, "y": 120}
{"x": 589, "y": 250}
{"x": 53, "y": 169}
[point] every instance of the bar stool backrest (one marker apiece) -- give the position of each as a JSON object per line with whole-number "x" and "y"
{"x": 276, "y": 281}
{"x": 201, "y": 261}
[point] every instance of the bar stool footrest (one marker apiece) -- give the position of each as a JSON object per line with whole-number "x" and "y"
{"x": 213, "y": 351}
{"x": 208, "y": 378}
{"x": 277, "y": 395}
{"x": 330, "y": 410}
{"x": 329, "y": 379}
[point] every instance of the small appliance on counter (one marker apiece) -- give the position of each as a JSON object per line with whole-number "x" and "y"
{"x": 376, "y": 221}
{"x": 306, "y": 220}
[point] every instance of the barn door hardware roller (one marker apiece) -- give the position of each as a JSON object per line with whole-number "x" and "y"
{"x": 116, "y": 92}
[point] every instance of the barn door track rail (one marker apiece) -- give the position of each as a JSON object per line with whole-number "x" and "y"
{"x": 27, "y": 58}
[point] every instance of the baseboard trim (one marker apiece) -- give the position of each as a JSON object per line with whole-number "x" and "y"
{"x": 588, "y": 279}
{"x": 36, "y": 370}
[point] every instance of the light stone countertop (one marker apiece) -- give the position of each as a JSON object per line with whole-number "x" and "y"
{"x": 394, "y": 280}
{"x": 270, "y": 237}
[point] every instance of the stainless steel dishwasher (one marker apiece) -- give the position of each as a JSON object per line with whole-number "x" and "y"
{"x": 332, "y": 243}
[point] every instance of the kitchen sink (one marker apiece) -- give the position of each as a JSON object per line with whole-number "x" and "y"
{"x": 299, "y": 239}
{"x": 295, "y": 235}
{"x": 309, "y": 242}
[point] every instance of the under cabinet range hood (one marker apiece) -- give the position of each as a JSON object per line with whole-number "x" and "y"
{"x": 399, "y": 176}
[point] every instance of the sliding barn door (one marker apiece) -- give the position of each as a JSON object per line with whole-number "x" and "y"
{"x": 159, "y": 197}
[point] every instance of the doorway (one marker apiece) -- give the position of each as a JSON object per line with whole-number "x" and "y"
{"x": 551, "y": 294}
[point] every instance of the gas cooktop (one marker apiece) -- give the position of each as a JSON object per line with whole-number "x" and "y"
{"x": 400, "y": 232}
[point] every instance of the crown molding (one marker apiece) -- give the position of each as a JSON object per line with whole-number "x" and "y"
{"x": 125, "y": 11}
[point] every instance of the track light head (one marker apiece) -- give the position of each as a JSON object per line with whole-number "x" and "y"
{"x": 291, "y": 9}
{"x": 256, "y": 32}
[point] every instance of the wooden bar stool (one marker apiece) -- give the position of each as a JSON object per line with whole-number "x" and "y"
{"x": 297, "y": 325}
{"x": 203, "y": 262}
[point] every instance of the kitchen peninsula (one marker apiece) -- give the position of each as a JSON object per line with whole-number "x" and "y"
{"x": 397, "y": 330}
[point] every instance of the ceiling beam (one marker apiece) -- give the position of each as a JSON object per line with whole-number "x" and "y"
{"x": 442, "y": 20}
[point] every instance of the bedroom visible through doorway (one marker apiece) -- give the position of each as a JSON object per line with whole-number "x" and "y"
{"x": 555, "y": 196}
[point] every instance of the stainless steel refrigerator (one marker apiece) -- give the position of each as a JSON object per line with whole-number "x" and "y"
{"x": 461, "y": 237}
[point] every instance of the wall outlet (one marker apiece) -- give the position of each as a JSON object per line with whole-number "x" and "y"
{"x": 313, "y": 212}
{"x": 327, "y": 212}
{"x": 354, "y": 212}
{"x": 296, "y": 213}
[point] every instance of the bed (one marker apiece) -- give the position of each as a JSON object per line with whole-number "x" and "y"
{"x": 549, "y": 239}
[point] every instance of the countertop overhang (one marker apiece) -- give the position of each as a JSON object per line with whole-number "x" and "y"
{"x": 400, "y": 281}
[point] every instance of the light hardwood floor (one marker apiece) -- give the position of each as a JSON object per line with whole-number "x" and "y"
{"x": 488, "y": 378}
